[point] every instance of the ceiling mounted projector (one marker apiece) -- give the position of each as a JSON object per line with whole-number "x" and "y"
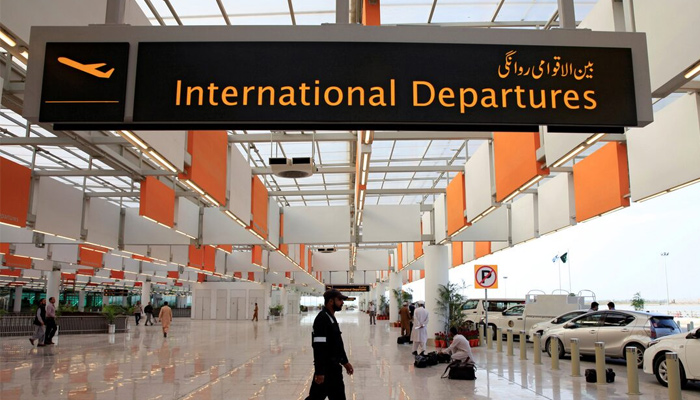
{"x": 297, "y": 167}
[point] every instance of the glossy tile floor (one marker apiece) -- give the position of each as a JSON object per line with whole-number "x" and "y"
{"x": 273, "y": 360}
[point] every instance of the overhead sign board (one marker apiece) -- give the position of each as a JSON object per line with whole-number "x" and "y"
{"x": 325, "y": 78}
{"x": 486, "y": 277}
{"x": 115, "y": 292}
{"x": 349, "y": 288}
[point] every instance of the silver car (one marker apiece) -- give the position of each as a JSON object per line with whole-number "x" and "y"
{"x": 617, "y": 329}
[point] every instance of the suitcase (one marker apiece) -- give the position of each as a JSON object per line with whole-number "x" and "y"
{"x": 592, "y": 375}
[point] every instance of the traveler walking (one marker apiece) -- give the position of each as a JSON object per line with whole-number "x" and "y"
{"x": 137, "y": 312}
{"x": 149, "y": 313}
{"x": 166, "y": 317}
{"x": 51, "y": 326}
{"x": 39, "y": 324}
{"x": 255, "y": 313}
{"x": 329, "y": 352}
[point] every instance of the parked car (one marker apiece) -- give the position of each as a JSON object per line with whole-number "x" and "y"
{"x": 475, "y": 310}
{"x": 686, "y": 345}
{"x": 537, "y": 308}
{"x": 617, "y": 329}
{"x": 542, "y": 327}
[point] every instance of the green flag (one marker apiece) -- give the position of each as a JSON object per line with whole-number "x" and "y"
{"x": 563, "y": 257}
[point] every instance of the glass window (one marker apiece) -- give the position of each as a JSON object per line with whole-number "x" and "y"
{"x": 470, "y": 305}
{"x": 590, "y": 320}
{"x": 617, "y": 319}
{"x": 569, "y": 316}
{"x": 518, "y": 310}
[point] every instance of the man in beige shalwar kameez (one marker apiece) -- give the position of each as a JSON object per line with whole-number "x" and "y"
{"x": 166, "y": 317}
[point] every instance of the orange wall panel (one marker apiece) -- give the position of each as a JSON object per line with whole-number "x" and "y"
{"x": 209, "y": 260}
{"x": 601, "y": 181}
{"x": 457, "y": 254}
{"x": 371, "y": 12}
{"x": 196, "y": 256}
{"x": 17, "y": 261}
{"x": 201, "y": 277}
{"x": 251, "y": 276}
{"x": 302, "y": 256}
{"x": 259, "y": 207}
{"x": 309, "y": 260}
{"x": 9, "y": 272}
{"x": 15, "y": 183}
{"x": 257, "y": 255}
{"x": 422, "y": 274}
{"x": 284, "y": 248}
{"x": 157, "y": 201}
{"x": 86, "y": 271}
{"x": 88, "y": 257}
{"x": 456, "y": 204}
{"x": 173, "y": 275}
{"x": 228, "y": 248}
{"x": 116, "y": 274}
{"x": 399, "y": 256}
{"x": 482, "y": 249}
{"x": 209, "y": 151}
{"x": 4, "y": 248}
{"x": 417, "y": 249}
{"x": 515, "y": 161}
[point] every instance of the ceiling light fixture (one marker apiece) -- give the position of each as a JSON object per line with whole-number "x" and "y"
{"x": 693, "y": 71}
{"x": 7, "y": 39}
{"x": 569, "y": 156}
{"x": 131, "y": 137}
{"x": 162, "y": 161}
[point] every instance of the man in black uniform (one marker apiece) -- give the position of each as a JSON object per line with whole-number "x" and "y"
{"x": 329, "y": 352}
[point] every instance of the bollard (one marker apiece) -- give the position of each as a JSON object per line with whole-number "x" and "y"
{"x": 689, "y": 327}
{"x": 509, "y": 341}
{"x": 481, "y": 338}
{"x": 499, "y": 340}
{"x": 554, "y": 350}
{"x": 673, "y": 375}
{"x": 523, "y": 348}
{"x": 632, "y": 371}
{"x": 538, "y": 348}
{"x": 575, "y": 358}
{"x": 489, "y": 338}
{"x": 600, "y": 362}
{"x": 692, "y": 326}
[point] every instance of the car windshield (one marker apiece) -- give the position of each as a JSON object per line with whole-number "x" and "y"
{"x": 500, "y": 305}
{"x": 470, "y": 305}
{"x": 517, "y": 310}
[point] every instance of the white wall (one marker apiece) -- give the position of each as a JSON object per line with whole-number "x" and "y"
{"x": 213, "y": 286}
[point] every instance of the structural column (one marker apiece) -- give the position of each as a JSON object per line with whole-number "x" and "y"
{"x": 53, "y": 284}
{"x": 17, "y": 307}
{"x": 81, "y": 301}
{"x": 381, "y": 290}
{"x": 265, "y": 307}
{"x": 284, "y": 300}
{"x": 145, "y": 293}
{"x": 395, "y": 283}
{"x": 437, "y": 265}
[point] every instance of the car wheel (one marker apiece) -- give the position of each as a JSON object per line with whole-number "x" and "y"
{"x": 661, "y": 371}
{"x": 548, "y": 348}
{"x": 639, "y": 353}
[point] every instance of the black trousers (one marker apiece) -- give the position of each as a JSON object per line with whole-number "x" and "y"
{"x": 138, "y": 317}
{"x": 332, "y": 386}
{"x": 51, "y": 329}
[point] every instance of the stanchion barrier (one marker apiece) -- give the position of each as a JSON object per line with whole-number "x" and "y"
{"x": 537, "y": 340}
{"x": 523, "y": 348}
{"x": 509, "y": 341}
{"x": 600, "y": 362}
{"x": 673, "y": 374}
{"x": 575, "y": 358}
{"x": 499, "y": 340}
{"x": 489, "y": 338}
{"x": 554, "y": 351}
{"x": 632, "y": 371}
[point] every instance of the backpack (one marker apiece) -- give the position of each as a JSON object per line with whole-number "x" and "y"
{"x": 592, "y": 376}
{"x": 461, "y": 370}
{"x": 421, "y": 362}
{"x": 432, "y": 358}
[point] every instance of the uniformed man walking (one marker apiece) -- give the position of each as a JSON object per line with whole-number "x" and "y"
{"x": 329, "y": 352}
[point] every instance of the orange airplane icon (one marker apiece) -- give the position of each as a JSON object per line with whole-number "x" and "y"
{"x": 87, "y": 68}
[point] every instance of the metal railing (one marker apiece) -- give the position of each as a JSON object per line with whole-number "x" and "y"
{"x": 22, "y": 325}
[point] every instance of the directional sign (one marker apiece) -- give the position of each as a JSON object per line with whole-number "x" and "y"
{"x": 486, "y": 276}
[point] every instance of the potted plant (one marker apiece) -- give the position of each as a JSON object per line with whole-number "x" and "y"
{"x": 276, "y": 311}
{"x": 449, "y": 304}
{"x": 383, "y": 307}
{"x": 110, "y": 313}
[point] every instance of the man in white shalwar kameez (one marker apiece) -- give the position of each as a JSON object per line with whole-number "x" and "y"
{"x": 420, "y": 328}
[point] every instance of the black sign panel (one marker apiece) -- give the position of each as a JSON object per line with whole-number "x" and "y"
{"x": 382, "y": 85}
{"x": 115, "y": 292}
{"x": 349, "y": 288}
{"x": 84, "y": 82}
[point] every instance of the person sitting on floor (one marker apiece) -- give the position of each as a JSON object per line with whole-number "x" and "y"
{"x": 460, "y": 348}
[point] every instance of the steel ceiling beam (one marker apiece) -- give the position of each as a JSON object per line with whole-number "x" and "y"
{"x": 389, "y": 170}
{"x": 348, "y": 192}
{"x": 349, "y": 137}
{"x": 59, "y": 141}
{"x": 102, "y": 172}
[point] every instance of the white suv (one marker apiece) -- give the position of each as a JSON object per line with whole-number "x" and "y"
{"x": 686, "y": 345}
